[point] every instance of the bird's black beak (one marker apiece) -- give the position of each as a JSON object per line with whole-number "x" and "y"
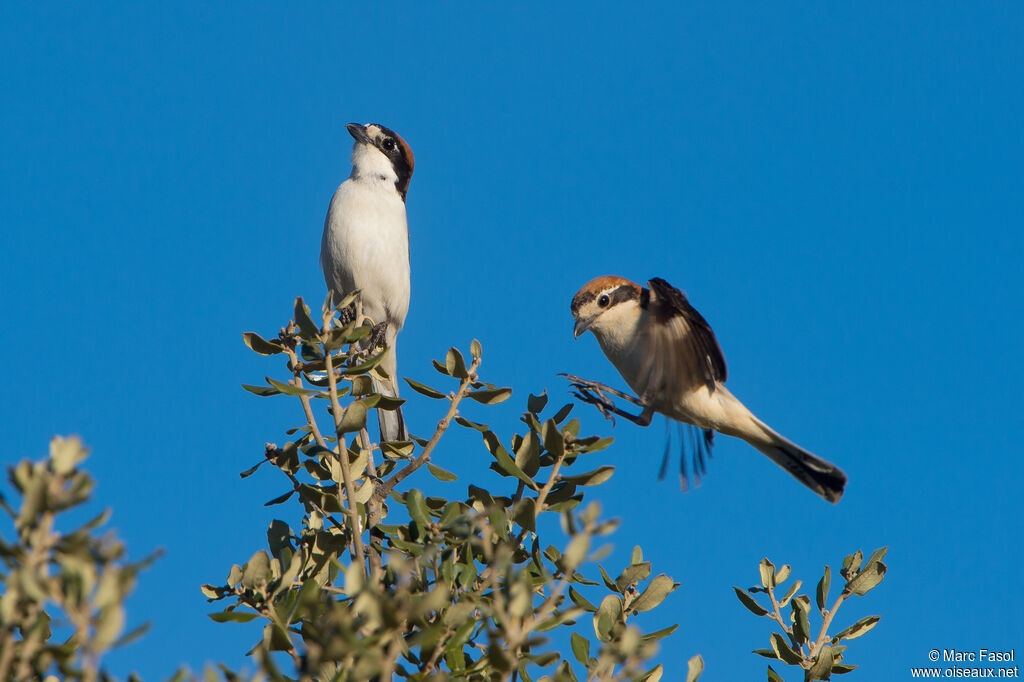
{"x": 581, "y": 326}
{"x": 358, "y": 132}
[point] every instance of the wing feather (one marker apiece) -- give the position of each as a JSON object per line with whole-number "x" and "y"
{"x": 682, "y": 340}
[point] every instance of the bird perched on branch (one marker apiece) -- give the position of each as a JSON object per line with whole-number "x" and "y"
{"x": 667, "y": 353}
{"x": 365, "y": 246}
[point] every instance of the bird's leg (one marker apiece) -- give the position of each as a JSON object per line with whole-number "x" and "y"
{"x": 586, "y": 390}
{"x": 377, "y": 335}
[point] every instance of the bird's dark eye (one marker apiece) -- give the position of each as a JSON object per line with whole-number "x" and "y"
{"x": 388, "y": 144}
{"x": 603, "y": 301}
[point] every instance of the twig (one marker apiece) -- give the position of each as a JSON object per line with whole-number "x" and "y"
{"x": 823, "y": 637}
{"x": 386, "y": 487}
{"x": 306, "y": 407}
{"x": 778, "y": 614}
{"x": 346, "y": 474}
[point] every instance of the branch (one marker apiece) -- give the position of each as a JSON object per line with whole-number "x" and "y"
{"x": 384, "y": 488}
{"x": 823, "y": 637}
{"x": 296, "y": 367}
{"x": 346, "y": 473}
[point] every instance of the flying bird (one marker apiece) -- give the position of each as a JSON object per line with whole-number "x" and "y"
{"x": 365, "y": 246}
{"x": 666, "y": 352}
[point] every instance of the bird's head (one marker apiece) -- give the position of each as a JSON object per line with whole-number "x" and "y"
{"x": 380, "y": 151}
{"x": 606, "y": 305}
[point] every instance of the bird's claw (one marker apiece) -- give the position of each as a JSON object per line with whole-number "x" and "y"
{"x": 601, "y": 403}
{"x": 377, "y": 334}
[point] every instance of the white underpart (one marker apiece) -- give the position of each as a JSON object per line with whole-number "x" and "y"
{"x": 365, "y": 243}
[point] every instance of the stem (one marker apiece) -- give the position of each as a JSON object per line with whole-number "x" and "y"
{"x": 306, "y": 407}
{"x": 823, "y": 637}
{"x": 346, "y": 474}
{"x": 778, "y": 616}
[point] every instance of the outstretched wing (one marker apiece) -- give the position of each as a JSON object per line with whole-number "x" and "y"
{"x": 683, "y": 342}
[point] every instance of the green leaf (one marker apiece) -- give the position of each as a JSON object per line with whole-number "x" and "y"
{"x": 307, "y": 328}
{"x": 417, "y": 505}
{"x": 652, "y": 675}
{"x": 476, "y": 350}
{"x": 784, "y": 651}
{"x": 876, "y": 556}
{"x": 525, "y": 514}
{"x": 867, "y": 580}
{"x": 823, "y": 587}
{"x": 637, "y": 557}
{"x": 694, "y": 668}
{"x": 129, "y": 637}
{"x": 595, "y": 477}
{"x": 354, "y": 417}
{"x": 554, "y": 442}
{"x": 774, "y": 676}
{"x": 288, "y": 389}
{"x": 851, "y": 564}
{"x": 261, "y": 391}
{"x": 580, "y": 648}
{"x": 364, "y": 367}
{"x": 801, "y": 623}
{"x": 633, "y": 574}
{"x": 66, "y": 454}
{"x": 461, "y": 421}
{"x": 280, "y": 499}
{"x": 528, "y": 454}
{"x": 767, "y": 569}
{"x": 508, "y": 466}
{"x": 575, "y": 552}
{"x": 440, "y": 474}
{"x": 108, "y": 626}
{"x": 562, "y": 413}
{"x": 261, "y": 345}
{"x": 841, "y": 669}
{"x": 233, "y": 616}
{"x": 581, "y": 602}
{"x": 790, "y": 592}
{"x": 857, "y": 629}
{"x": 659, "y": 634}
{"x": 491, "y": 396}
{"x": 608, "y": 614}
{"x": 455, "y": 364}
{"x": 782, "y": 574}
{"x": 750, "y": 603}
{"x": 660, "y": 587}
{"x": 594, "y": 444}
{"x": 536, "y": 403}
{"x": 767, "y": 653}
{"x": 822, "y": 667}
{"x": 423, "y": 389}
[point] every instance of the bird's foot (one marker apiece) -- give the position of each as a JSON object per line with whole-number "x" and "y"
{"x": 584, "y": 384}
{"x": 377, "y": 335}
{"x": 593, "y": 393}
{"x": 347, "y": 315}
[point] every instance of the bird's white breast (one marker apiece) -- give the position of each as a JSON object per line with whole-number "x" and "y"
{"x": 366, "y": 246}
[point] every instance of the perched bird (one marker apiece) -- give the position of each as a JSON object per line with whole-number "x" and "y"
{"x": 667, "y": 353}
{"x": 365, "y": 246}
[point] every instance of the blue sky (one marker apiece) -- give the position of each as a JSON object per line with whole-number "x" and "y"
{"x": 837, "y": 188}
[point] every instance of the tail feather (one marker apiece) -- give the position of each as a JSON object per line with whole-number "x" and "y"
{"x": 392, "y": 423}
{"x": 821, "y": 476}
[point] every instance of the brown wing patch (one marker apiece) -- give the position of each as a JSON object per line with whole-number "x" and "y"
{"x": 668, "y": 304}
